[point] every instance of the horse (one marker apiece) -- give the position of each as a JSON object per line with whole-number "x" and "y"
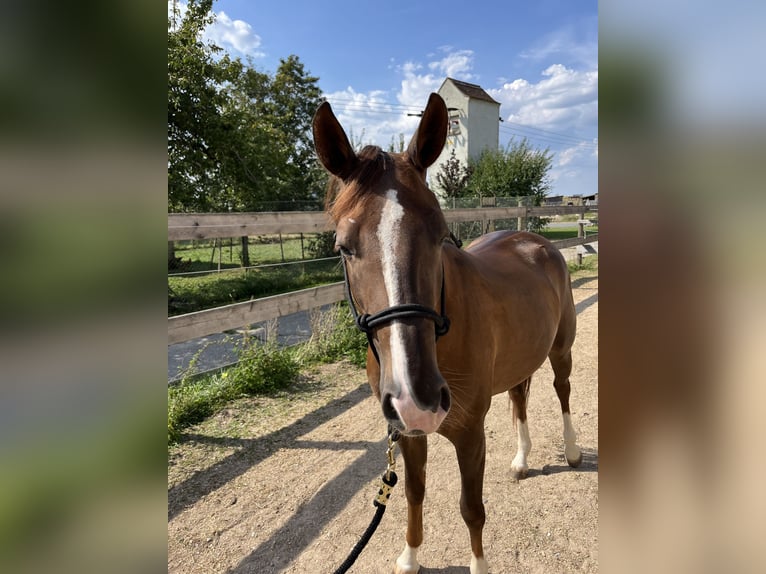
{"x": 448, "y": 328}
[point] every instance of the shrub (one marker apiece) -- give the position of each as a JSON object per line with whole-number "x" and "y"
{"x": 322, "y": 245}
{"x": 334, "y": 336}
{"x": 263, "y": 368}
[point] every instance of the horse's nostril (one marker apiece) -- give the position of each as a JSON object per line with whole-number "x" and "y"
{"x": 445, "y": 398}
{"x": 388, "y": 408}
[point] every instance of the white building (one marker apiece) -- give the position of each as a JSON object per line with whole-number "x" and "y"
{"x": 474, "y": 120}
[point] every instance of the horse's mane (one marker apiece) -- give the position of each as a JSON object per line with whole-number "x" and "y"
{"x": 373, "y": 163}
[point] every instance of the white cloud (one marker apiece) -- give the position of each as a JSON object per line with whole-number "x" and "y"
{"x": 456, "y": 65}
{"x": 231, "y": 35}
{"x": 580, "y": 153}
{"x": 565, "y": 100}
{"x": 235, "y": 34}
{"x": 372, "y": 118}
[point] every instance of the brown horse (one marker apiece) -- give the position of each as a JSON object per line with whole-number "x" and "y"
{"x": 448, "y": 328}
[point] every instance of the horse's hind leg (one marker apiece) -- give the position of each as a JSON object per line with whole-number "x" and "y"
{"x": 519, "y": 395}
{"x": 562, "y": 367}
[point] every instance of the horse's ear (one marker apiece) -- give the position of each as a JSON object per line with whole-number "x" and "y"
{"x": 428, "y": 141}
{"x": 331, "y": 144}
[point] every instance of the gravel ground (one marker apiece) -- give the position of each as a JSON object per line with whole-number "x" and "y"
{"x": 285, "y": 483}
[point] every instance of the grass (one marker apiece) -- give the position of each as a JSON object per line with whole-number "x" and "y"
{"x": 560, "y": 233}
{"x": 188, "y": 294}
{"x": 589, "y": 263}
{"x": 263, "y": 369}
{"x": 263, "y": 249}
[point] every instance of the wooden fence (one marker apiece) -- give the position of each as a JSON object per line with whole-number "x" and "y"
{"x": 183, "y": 226}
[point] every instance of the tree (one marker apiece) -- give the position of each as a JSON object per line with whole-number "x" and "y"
{"x": 196, "y": 126}
{"x": 453, "y": 177}
{"x": 237, "y": 137}
{"x": 518, "y": 171}
{"x": 295, "y": 96}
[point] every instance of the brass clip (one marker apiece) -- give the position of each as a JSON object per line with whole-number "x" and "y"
{"x": 390, "y": 456}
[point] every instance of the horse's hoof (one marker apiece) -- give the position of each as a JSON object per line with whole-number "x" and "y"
{"x": 479, "y": 565}
{"x": 575, "y": 461}
{"x": 517, "y": 473}
{"x": 407, "y": 563}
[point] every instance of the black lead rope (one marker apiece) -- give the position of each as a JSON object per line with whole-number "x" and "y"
{"x": 388, "y": 481}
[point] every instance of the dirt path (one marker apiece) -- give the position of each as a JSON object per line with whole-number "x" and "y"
{"x": 285, "y": 484}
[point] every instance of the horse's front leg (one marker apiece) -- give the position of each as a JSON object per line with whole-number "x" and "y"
{"x": 415, "y": 453}
{"x": 470, "y": 449}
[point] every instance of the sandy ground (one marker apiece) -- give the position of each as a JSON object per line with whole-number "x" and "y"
{"x": 285, "y": 484}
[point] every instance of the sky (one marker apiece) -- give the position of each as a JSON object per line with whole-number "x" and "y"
{"x": 377, "y": 62}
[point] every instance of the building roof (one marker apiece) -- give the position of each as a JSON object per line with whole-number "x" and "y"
{"x": 472, "y": 90}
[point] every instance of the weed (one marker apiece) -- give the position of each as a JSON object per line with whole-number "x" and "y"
{"x": 262, "y": 368}
{"x": 334, "y": 336}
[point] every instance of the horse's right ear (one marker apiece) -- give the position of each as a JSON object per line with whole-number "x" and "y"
{"x": 332, "y": 146}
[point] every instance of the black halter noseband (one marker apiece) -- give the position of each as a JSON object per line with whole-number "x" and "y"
{"x": 368, "y": 323}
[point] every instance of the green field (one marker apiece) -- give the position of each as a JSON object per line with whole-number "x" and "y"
{"x": 208, "y": 288}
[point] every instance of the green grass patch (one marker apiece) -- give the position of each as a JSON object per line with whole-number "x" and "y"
{"x": 559, "y": 233}
{"x": 204, "y": 254}
{"x": 334, "y": 337}
{"x": 189, "y": 294}
{"x": 264, "y": 369}
{"x": 589, "y": 263}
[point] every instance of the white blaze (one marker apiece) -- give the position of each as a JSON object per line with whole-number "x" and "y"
{"x": 388, "y": 236}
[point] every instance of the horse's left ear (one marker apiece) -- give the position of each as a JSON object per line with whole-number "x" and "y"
{"x": 331, "y": 143}
{"x": 428, "y": 141}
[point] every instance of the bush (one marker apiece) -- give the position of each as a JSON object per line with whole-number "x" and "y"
{"x": 322, "y": 245}
{"x": 192, "y": 402}
{"x": 263, "y": 368}
{"x": 334, "y": 336}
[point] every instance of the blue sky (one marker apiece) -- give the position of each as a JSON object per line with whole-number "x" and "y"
{"x": 378, "y": 61}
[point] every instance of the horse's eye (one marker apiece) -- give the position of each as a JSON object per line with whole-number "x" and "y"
{"x": 344, "y": 251}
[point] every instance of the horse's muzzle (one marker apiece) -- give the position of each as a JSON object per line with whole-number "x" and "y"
{"x": 415, "y": 416}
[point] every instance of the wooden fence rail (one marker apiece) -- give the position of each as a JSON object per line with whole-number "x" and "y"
{"x": 211, "y": 321}
{"x": 213, "y": 225}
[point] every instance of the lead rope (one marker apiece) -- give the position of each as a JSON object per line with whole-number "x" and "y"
{"x": 387, "y": 483}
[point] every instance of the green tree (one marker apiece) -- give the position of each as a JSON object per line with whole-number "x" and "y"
{"x": 518, "y": 171}
{"x": 237, "y": 137}
{"x": 453, "y": 177}
{"x": 196, "y": 126}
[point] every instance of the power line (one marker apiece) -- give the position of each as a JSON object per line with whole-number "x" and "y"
{"x": 548, "y": 139}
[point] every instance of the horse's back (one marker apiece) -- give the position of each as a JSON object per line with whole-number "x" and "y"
{"x": 527, "y": 290}
{"x": 523, "y": 255}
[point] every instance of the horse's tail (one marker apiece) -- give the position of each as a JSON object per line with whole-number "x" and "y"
{"x": 527, "y": 383}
